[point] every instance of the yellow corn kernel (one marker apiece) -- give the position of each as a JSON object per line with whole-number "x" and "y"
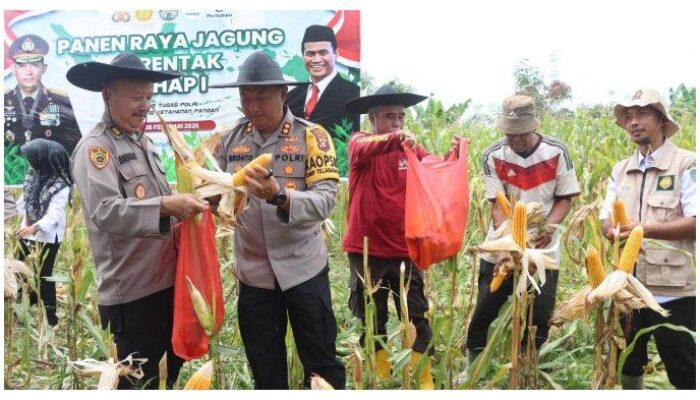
{"x": 518, "y": 225}
{"x": 497, "y": 280}
{"x": 619, "y": 215}
{"x": 503, "y": 203}
{"x": 594, "y": 267}
{"x": 201, "y": 380}
{"x": 263, "y": 160}
{"x": 631, "y": 250}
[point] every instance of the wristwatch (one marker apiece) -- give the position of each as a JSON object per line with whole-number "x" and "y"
{"x": 279, "y": 199}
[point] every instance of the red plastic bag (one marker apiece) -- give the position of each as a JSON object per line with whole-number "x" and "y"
{"x": 437, "y": 206}
{"x": 198, "y": 261}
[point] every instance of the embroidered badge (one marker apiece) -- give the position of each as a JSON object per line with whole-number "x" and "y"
{"x": 285, "y": 128}
{"x": 321, "y": 138}
{"x": 665, "y": 182}
{"x": 291, "y": 185}
{"x": 125, "y": 158}
{"x": 241, "y": 149}
{"x": 290, "y": 148}
{"x": 140, "y": 191}
{"x": 288, "y": 170}
{"x": 99, "y": 157}
{"x": 291, "y": 139}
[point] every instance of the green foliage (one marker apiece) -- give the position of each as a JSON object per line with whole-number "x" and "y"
{"x": 16, "y": 166}
{"x": 340, "y": 141}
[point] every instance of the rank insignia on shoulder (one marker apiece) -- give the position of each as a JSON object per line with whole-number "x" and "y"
{"x": 665, "y": 182}
{"x": 285, "y": 128}
{"x": 99, "y": 157}
{"x": 248, "y": 128}
{"x": 116, "y": 131}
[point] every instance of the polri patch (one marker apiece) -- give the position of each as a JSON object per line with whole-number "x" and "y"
{"x": 666, "y": 182}
{"x": 99, "y": 157}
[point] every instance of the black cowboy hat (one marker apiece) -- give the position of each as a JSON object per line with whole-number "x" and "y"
{"x": 259, "y": 70}
{"x": 94, "y": 76}
{"x": 386, "y": 95}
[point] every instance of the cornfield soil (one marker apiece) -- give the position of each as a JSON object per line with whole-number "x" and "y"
{"x": 37, "y": 356}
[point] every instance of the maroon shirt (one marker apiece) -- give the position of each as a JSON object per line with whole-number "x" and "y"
{"x": 377, "y": 203}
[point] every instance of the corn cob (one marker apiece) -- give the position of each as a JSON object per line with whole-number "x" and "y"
{"x": 318, "y": 383}
{"x": 201, "y": 380}
{"x": 503, "y": 203}
{"x": 631, "y": 250}
{"x": 109, "y": 378}
{"x": 519, "y": 224}
{"x": 201, "y": 308}
{"x": 619, "y": 215}
{"x": 497, "y": 280}
{"x": 263, "y": 160}
{"x": 594, "y": 267}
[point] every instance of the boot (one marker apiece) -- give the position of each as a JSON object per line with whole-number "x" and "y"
{"x": 381, "y": 365}
{"x": 630, "y": 382}
{"x": 425, "y": 377}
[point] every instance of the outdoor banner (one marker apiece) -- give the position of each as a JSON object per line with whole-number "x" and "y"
{"x": 207, "y": 47}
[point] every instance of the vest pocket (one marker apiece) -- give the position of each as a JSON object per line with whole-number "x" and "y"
{"x": 663, "y": 208}
{"x": 133, "y": 177}
{"x": 665, "y": 267}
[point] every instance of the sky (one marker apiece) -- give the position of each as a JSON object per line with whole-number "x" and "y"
{"x": 468, "y": 50}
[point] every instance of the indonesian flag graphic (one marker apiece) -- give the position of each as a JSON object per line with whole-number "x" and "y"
{"x": 346, "y": 25}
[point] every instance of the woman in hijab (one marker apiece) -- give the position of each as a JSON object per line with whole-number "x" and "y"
{"x": 47, "y": 189}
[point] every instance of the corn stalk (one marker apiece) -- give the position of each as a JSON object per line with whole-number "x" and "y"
{"x": 370, "y": 318}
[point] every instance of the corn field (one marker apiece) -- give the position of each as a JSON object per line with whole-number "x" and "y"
{"x": 36, "y": 356}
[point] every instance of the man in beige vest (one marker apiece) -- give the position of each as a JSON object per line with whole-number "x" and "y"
{"x": 281, "y": 257}
{"x": 129, "y": 210}
{"x": 657, "y": 185}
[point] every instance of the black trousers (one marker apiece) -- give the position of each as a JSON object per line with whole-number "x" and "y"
{"x": 677, "y": 349}
{"x": 262, "y": 317}
{"x": 47, "y": 289}
{"x": 144, "y": 327}
{"x": 488, "y": 305}
{"x": 387, "y": 271}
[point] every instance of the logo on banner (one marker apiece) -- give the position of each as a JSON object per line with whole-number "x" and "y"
{"x": 144, "y": 15}
{"x": 168, "y": 15}
{"x": 121, "y": 16}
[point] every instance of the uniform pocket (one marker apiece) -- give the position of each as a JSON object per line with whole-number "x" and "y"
{"x": 666, "y": 268}
{"x": 663, "y": 208}
{"x": 133, "y": 177}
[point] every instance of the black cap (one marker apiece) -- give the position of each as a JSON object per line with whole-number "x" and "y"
{"x": 319, "y": 33}
{"x": 28, "y": 49}
{"x": 94, "y": 75}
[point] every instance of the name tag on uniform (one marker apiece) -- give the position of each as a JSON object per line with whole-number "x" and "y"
{"x": 125, "y": 158}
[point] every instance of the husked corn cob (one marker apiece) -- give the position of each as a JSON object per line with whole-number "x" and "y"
{"x": 519, "y": 224}
{"x": 201, "y": 380}
{"x": 497, "y": 280}
{"x": 594, "y": 267}
{"x": 631, "y": 250}
{"x": 503, "y": 203}
{"x": 263, "y": 160}
{"x": 619, "y": 214}
{"x": 109, "y": 378}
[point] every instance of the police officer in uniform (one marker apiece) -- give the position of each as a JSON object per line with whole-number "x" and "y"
{"x": 281, "y": 257}
{"x": 32, "y": 110}
{"x": 129, "y": 210}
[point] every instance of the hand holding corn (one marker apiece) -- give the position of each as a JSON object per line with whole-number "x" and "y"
{"x": 260, "y": 183}
{"x": 182, "y": 206}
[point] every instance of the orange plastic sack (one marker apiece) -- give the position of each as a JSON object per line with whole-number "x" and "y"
{"x": 197, "y": 259}
{"x": 437, "y": 206}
